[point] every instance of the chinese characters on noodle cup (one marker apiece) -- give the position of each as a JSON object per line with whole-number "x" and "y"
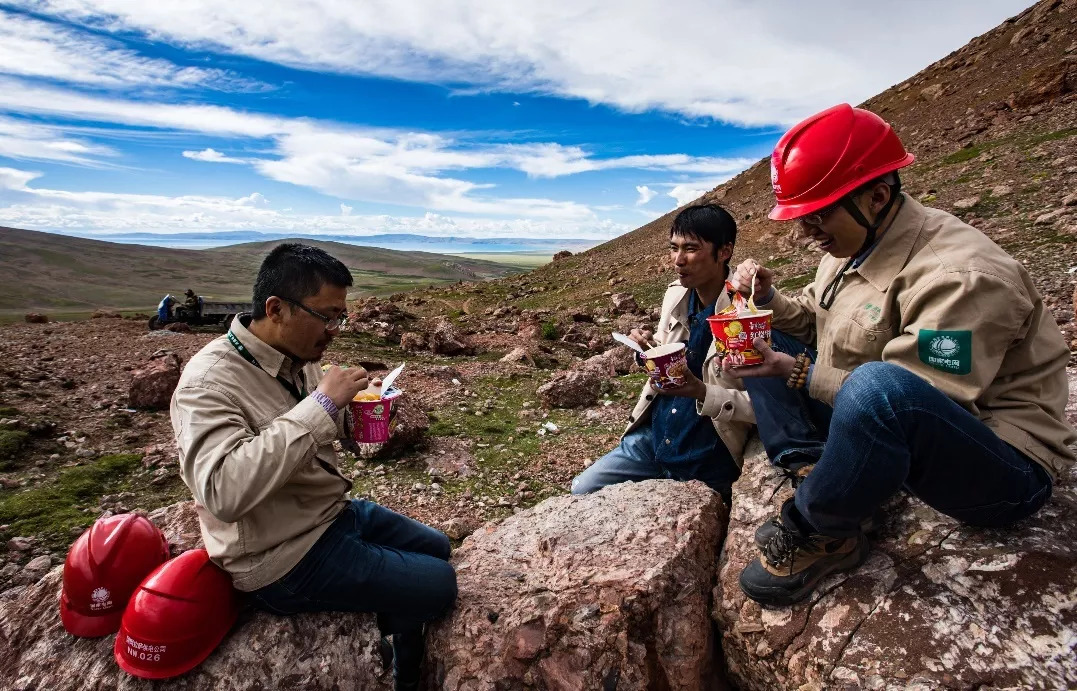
{"x": 666, "y": 365}
{"x": 374, "y": 415}
{"x": 734, "y": 333}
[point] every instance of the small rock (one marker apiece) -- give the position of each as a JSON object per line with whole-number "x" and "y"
{"x": 20, "y": 544}
{"x": 967, "y": 202}
{"x": 1049, "y": 217}
{"x": 1001, "y": 190}
{"x": 34, "y": 570}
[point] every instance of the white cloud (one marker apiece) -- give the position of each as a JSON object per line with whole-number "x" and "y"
{"x": 34, "y": 48}
{"x": 23, "y": 140}
{"x": 42, "y": 208}
{"x": 211, "y": 156}
{"x": 346, "y": 210}
{"x": 684, "y": 193}
{"x": 362, "y": 164}
{"x": 646, "y": 194}
{"x": 748, "y": 63}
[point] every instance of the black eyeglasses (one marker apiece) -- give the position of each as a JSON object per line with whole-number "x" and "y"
{"x": 330, "y": 323}
{"x": 817, "y": 218}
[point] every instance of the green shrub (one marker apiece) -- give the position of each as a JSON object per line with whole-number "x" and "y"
{"x": 550, "y": 331}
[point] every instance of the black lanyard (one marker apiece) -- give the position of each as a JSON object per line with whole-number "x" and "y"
{"x": 299, "y": 394}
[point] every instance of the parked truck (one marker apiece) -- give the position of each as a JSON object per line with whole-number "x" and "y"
{"x": 171, "y": 310}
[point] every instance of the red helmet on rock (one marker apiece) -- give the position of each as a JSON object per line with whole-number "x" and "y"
{"x": 103, "y": 568}
{"x": 176, "y": 618}
{"x": 829, "y": 155}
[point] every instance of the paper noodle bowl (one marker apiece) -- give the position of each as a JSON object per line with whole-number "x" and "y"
{"x": 373, "y": 420}
{"x": 666, "y": 365}
{"x": 734, "y": 333}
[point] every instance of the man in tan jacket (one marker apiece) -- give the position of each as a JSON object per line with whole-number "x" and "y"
{"x": 696, "y": 431}
{"x": 923, "y": 353}
{"x": 255, "y": 420}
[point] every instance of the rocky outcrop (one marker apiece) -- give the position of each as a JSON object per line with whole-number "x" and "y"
{"x": 937, "y": 604}
{"x": 445, "y": 339}
{"x": 412, "y": 342}
{"x": 563, "y": 254}
{"x": 35, "y": 318}
{"x": 152, "y": 385}
{"x": 574, "y": 388}
{"x": 412, "y": 425}
{"x": 565, "y": 596}
{"x": 624, "y": 302}
{"x": 309, "y": 651}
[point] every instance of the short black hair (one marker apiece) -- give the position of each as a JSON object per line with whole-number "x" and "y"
{"x": 296, "y": 272}
{"x": 708, "y": 222}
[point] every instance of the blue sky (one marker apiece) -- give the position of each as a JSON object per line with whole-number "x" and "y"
{"x": 568, "y": 118}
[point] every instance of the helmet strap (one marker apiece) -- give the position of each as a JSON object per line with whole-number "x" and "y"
{"x": 872, "y": 228}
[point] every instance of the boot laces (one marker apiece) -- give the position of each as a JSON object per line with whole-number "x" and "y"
{"x": 783, "y": 546}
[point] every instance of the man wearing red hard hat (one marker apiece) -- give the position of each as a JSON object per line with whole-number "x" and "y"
{"x": 922, "y": 357}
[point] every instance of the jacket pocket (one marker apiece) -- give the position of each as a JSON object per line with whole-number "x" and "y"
{"x": 852, "y": 344}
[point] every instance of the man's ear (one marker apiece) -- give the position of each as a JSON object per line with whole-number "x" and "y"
{"x": 880, "y": 195}
{"x": 275, "y": 309}
{"x": 725, "y": 253}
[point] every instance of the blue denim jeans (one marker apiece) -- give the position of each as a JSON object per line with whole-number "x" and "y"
{"x": 633, "y": 460}
{"x": 890, "y": 429}
{"x": 370, "y": 559}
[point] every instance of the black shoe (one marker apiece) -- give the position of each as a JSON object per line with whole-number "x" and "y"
{"x": 408, "y": 651}
{"x": 793, "y": 562}
{"x": 868, "y": 526}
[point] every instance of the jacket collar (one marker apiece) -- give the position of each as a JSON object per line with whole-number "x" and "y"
{"x": 679, "y": 312}
{"x": 889, "y": 257}
{"x": 269, "y": 358}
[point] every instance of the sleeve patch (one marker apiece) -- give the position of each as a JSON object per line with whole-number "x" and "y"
{"x": 946, "y": 351}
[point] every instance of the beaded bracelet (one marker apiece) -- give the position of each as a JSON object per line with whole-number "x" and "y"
{"x": 799, "y": 376}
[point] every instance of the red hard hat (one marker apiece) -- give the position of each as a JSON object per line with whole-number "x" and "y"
{"x": 176, "y": 618}
{"x": 103, "y": 568}
{"x": 829, "y": 155}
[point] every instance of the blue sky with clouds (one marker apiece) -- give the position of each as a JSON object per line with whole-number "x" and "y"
{"x": 567, "y": 118}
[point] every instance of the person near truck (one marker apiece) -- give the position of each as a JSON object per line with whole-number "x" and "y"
{"x": 923, "y": 356}
{"x": 255, "y": 420}
{"x": 696, "y": 431}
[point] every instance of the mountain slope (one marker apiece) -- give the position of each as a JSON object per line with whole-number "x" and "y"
{"x": 994, "y": 129}
{"x": 44, "y": 271}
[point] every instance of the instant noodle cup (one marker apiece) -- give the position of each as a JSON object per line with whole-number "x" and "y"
{"x": 374, "y": 414}
{"x": 666, "y": 365}
{"x": 735, "y": 331}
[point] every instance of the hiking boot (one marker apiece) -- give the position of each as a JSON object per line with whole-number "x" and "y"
{"x": 408, "y": 651}
{"x": 764, "y": 532}
{"x": 793, "y": 561}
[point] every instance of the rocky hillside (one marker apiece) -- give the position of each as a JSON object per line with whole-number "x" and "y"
{"x": 513, "y": 387}
{"x": 994, "y": 129}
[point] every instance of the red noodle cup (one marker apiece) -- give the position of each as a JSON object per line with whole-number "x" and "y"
{"x": 666, "y": 365}
{"x": 734, "y": 333}
{"x": 373, "y": 421}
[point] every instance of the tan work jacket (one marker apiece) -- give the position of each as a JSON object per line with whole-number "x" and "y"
{"x": 260, "y": 465}
{"x": 726, "y": 402}
{"x": 938, "y": 298}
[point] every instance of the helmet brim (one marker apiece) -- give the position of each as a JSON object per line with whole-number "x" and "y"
{"x": 85, "y": 626}
{"x": 791, "y": 212}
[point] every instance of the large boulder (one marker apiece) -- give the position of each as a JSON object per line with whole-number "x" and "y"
{"x": 105, "y": 314}
{"x": 308, "y": 651}
{"x": 445, "y": 339}
{"x": 152, "y": 385}
{"x": 412, "y": 425}
{"x": 624, "y": 302}
{"x": 575, "y": 388}
{"x": 412, "y": 342}
{"x": 603, "y": 591}
{"x": 35, "y": 318}
{"x": 936, "y": 605}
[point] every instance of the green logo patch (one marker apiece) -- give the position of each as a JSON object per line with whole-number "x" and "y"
{"x": 946, "y": 351}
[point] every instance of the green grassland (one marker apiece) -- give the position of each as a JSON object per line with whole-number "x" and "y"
{"x": 62, "y": 275}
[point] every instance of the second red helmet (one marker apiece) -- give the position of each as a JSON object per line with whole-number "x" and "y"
{"x": 176, "y": 618}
